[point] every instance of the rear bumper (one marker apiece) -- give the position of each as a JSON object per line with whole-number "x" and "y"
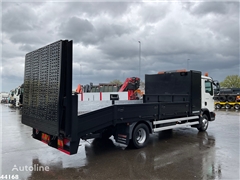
{"x": 62, "y": 144}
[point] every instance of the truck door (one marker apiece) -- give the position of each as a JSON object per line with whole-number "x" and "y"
{"x": 207, "y": 94}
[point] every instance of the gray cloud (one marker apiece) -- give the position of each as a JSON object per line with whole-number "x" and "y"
{"x": 106, "y": 36}
{"x": 83, "y": 31}
{"x": 205, "y": 8}
{"x": 92, "y": 9}
{"x": 187, "y": 5}
{"x": 81, "y": 25}
{"x": 18, "y": 18}
{"x": 152, "y": 13}
{"x": 210, "y": 7}
{"x": 26, "y": 38}
{"x": 9, "y": 52}
{"x": 224, "y": 18}
{"x": 78, "y": 29}
{"x": 119, "y": 48}
{"x": 27, "y": 48}
{"x": 226, "y": 27}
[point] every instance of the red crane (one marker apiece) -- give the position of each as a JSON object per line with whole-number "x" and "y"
{"x": 131, "y": 85}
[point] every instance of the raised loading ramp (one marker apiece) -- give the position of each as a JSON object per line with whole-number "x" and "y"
{"x": 47, "y": 82}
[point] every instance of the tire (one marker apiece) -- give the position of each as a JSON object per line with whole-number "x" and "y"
{"x": 231, "y": 98}
{"x": 237, "y": 106}
{"x": 140, "y": 136}
{"x": 203, "y": 123}
{"x": 228, "y": 106}
{"x": 222, "y": 98}
{"x": 218, "y": 106}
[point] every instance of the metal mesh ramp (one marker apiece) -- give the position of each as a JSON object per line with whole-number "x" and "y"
{"x": 43, "y": 82}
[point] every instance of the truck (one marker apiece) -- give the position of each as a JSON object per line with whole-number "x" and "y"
{"x": 227, "y": 98}
{"x": 16, "y": 96}
{"x": 11, "y": 97}
{"x": 4, "y": 97}
{"x": 171, "y": 100}
{"x": 227, "y": 94}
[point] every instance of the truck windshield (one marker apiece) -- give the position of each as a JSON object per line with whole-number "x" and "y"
{"x": 208, "y": 87}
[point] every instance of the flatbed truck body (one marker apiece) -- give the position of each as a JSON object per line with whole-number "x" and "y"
{"x": 171, "y": 100}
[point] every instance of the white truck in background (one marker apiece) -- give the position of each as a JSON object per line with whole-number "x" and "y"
{"x": 16, "y": 96}
{"x": 4, "y": 97}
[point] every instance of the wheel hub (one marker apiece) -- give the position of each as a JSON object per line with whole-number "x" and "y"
{"x": 205, "y": 123}
{"x": 141, "y": 136}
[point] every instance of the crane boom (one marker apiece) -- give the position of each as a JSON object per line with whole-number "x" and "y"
{"x": 132, "y": 83}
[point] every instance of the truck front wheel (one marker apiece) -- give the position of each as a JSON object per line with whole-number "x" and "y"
{"x": 203, "y": 123}
{"x": 140, "y": 136}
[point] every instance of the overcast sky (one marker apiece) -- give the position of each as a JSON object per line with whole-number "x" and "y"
{"x": 106, "y": 38}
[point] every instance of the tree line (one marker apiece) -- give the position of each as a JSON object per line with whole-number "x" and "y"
{"x": 231, "y": 81}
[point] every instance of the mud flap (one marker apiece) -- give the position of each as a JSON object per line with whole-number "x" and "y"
{"x": 122, "y": 134}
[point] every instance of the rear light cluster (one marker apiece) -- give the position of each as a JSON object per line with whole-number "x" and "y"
{"x": 45, "y": 138}
{"x": 62, "y": 144}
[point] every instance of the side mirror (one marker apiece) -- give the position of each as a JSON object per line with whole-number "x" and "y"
{"x": 217, "y": 85}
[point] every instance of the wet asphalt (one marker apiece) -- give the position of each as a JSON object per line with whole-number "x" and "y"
{"x": 182, "y": 153}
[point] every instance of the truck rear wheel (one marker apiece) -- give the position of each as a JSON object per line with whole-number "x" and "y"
{"x": 140, "y": 136}
{"x": 203, "y": 123}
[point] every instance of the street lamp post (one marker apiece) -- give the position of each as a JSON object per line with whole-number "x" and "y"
{"x": 80, "y": 73}
{"x": 188, "y": 64}
{"x": 139, "y": 58}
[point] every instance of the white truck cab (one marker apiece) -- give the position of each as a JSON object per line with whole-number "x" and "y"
{"x": 207, "y": 93}
{"x": 17, "y": 96}
{"x": 207, "y": 89}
